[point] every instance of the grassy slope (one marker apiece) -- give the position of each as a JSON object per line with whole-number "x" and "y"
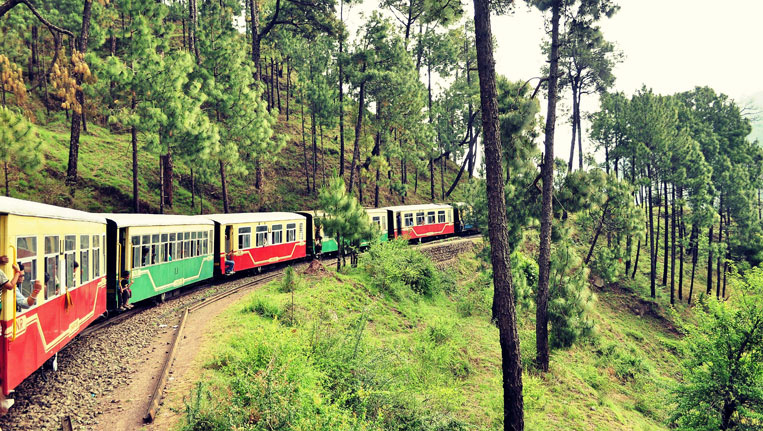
{"x": 105, "y": 171}
{"x": 449, "y": 359}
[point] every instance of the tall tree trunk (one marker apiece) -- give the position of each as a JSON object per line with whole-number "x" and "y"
{"x": 635, "y": 263}
{"x": 682, "y": 237}
{"x": 720, "y": 255}
{"x": 653, "y": 251}
{"x": 193, "y": 193}
{"x": 161, "y": 184}
{"x": 694, "y": 245}
{"x": 223, "y": 181}
{"x": 258, "y": 173}
{"x": 323, "y": 159}
{"x": 254, "y": 22}
{"x": 277, "y": 83}
{"x": 134, "y": 139}
{"x": 673, "y": 246}
{"x": 547, "y": 214}
{"x": 598, "y": 232}
{"x": 304, "y": 148}
{"x": 443, "y": 161}
{"x": 169, "y": 175}
{"x": 580, "y": 131}
{"x": 503, "y": 297}
{"x": 666, "y": 250}
{"x": 376, "y": 195}
{"x": 358, "y": 129}
{"x": 288, "y": 87}
{"x": 341, "y": 93}
{"x": 659, "y": 219}
{"x": 193, "y": 21}
{"x": 574, "y": 126}
{"x": 7, "y": 183}
{"x": 76, "y": 124}
{"x": 710, "y": 260}
{"x": 431, "y": 159}
{"x": 315, "y": 146}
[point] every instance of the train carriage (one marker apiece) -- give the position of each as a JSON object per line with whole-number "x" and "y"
{"x": 258, "y": 239}
{"x": 317, "y": 241}
{"x": 65, "y": 250}
{"x": 378, "y": 217}
{"x": 420, "y": 221}
{"x": 162, "y": 253}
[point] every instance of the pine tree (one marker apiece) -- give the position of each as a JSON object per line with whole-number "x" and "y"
{"x": 19, "y": 147}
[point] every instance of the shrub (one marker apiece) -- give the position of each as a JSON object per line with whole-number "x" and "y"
{"x": 264, "y": 308}
{"x": 393, "y": 266}
{"x": 291, "y": 281}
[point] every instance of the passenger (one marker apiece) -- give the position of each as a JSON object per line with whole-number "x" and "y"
{"x": 124, "y": 290}
{"x": 229, "y": 263}
{"x": 5, "y": 282}
{"x": 23, "y": 302}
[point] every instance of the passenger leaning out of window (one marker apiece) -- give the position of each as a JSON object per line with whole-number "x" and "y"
{"x": 23, "y": 302}
{"x": 5, "y": 282}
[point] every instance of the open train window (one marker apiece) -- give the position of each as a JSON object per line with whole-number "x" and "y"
{"x": 244, "y": 238}
{"x": 419, "y": 219}
{"x": 96, "y": 256}
{"x": 430, "y": 217}
{"x": 26, "y": 249}
{"x": 187, "y": 245}
{"x": 291, "y": 232}
{"x": 52, "y": 249}
{"x": 440, "y": 216}
{"x": 70, "y": 245}
{"x": 277, "y": 234}
{"x": 409, "y": 220}
{"x": 377, "y": 220}
{"x": 136, "y": 262}
{"x": 84, "y": 259}
{"x": 262, "y": 236}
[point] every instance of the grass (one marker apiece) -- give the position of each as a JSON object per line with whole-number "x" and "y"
{"x": 359, "y": 358}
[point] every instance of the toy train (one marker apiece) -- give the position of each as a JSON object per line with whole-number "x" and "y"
{"x": 79, "y": 258}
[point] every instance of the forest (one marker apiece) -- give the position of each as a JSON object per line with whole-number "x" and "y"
{"x": 668, "y": 185}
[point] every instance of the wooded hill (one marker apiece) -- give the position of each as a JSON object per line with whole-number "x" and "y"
{"x": 171, "y": 92}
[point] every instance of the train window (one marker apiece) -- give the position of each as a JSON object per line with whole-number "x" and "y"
{"x": 409, "y": 220}
{"x": 135, "y": 251}
{"x": 145, "y": 254}
{"x": 440, "y": 216}
{"x": 291, "y": 232}
{"x": 198, "y": 244}
{"x": 26, "y": 249}
{"x": 52, "y": 247}
{"x": 84, "y": 266}
{"x": 431, "y": 217}
{"x": 262, "y": 236}
{"x": 96, "y": 256}
{"x": 419, "y": 219}
{"x": 245, "y": 237}
{"x": 187, "y": 245}
{"x": 277, "y": 234}
{"x": 377, "y": 220}
{"x": 70, "y": 242}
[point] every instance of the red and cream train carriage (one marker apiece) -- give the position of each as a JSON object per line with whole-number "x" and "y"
{"x": 258, "y": 239}
{"x": 420, "y": 221}
{"x": 48, "y": 240}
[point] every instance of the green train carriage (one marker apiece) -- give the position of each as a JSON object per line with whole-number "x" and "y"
{"x": 162, "y": 253}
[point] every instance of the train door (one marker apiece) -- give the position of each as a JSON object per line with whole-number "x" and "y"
{"x": 399, "y": 222}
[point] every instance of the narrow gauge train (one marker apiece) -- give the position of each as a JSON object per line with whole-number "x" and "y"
{"x": 79, "y": 258}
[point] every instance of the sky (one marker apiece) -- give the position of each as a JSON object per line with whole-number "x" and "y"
{"x": 669, "y": 46}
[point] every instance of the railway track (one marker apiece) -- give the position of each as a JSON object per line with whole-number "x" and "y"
{"x": 154, "y": 401}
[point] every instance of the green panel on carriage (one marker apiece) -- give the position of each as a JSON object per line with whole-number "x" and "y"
{"x": 329, "y": 245}
{"x": 382, "y": 238}
{"x": 153, "y": 280}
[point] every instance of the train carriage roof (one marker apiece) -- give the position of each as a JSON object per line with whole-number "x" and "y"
{"x": 130, "y": 220}
{"x": 240, "y": 218}
{"x": 36, "y": 209}
{"x": 421, "y": 207}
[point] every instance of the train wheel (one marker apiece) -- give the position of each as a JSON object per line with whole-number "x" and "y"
{"x": 161, "y": 298}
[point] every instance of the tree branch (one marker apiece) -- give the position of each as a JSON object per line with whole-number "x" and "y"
{"x": 10, "y": 4}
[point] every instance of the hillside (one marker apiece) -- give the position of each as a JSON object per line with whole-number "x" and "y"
{"x": 353, "y": 354}
{"x": 105, "y": 174}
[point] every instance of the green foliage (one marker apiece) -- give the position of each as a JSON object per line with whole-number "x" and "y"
{"x": 571, "y": 302}
{"x": 291, "y": 280}
{"x": 396, "y": 269}
{"x": 344, "y": 218}
{"x": 524, "y": 274}
{"x": 723, "y": 366}
{"x": 19, "y": 146}
{"x": 264, "y": 308}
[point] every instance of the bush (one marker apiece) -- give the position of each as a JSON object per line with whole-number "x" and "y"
{"x": 290, "y": 282}
{"x": 264, "y": 308}
{"x": 524, "y": 273}
{"x": 606, "y": 265}
{"x": 394, "y": 267}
